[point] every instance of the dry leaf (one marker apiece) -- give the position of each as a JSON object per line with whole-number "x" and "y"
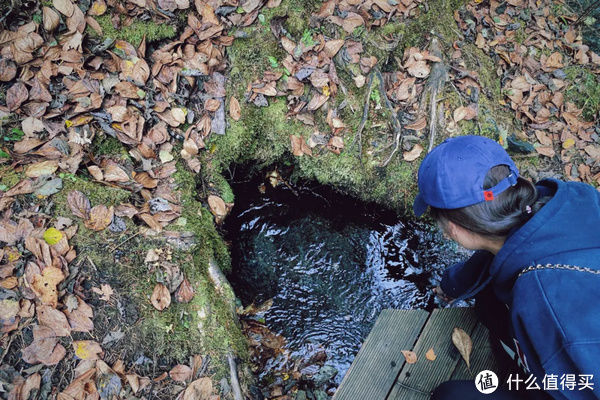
{"x": 419, "y": 69}
{"x": 105, "y": 291}
{"x": 41, "y": 168}
{"x": 547, "y": 151}
{"x": 53, "y": 319}
{"x": 51, "y": 19}
{"x": 185, "y": 292}
{"x": 413, "y": 154}
{"x": 200, "y": 389}
{"x": 430, "y": 355}
{"x": 409, "y": 356}
{"x": 65, "y": 7}
{"x": 79, "y": 204}
{"x": 87, "y": 349}
{"x": 114, "y": 173}
{"x": 100, "y": 217}
{"x": 44, "y": 285}
{"x": 16, "y": 95}
{"x": 234, "y": 109}
{"x": 161, "y": 298}
{"x": 217, "y": 206}
{"x": 180, "y": 373}
{"x": 463, "y": 343}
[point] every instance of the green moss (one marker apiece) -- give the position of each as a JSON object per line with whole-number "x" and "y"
{"x": 9, "y": 177}
{"x": 583, "y": 90}
{"x": 261, "y": 135}
{"x": 104, "y": 145}
{"x": 135, "y": 32}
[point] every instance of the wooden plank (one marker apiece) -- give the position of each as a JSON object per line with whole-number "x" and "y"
{"x": 482, "y": 357}
{"x": 377, "y": 364}
{"x": 416, "y": 381}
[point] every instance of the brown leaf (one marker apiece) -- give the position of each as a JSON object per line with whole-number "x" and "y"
{"x": 409, "y": 356}
{"x": 98, "y": 8}
{"x": 65, "y": 7}
{"x": 352, "y": 21}
{"x": 144, "y": 179}
{"x": 413, "y": 154}
{"x": 79, "y": 204}
{"x": 554, "y": 61}
{"x": 87, "y": 349}
{"x": 430, "y": 355}
{"x": 80, "y": 318}
{"x": 105, "y": 291}
{"x": 332, "y": 47}
{"x": 212, "y": 105}
{"x": 53, "y": 319}
{"x": 51, "y": 19}
{"x": 161, "y": 298}
{"x": 547, "y": 151}
{"x": 463, "y": 343}
{"x": 317, "y": 101}
{"x": 234, "y": 109}
{"x": 44, "y": 285}
{"x": 418, "y": 124}
{"x": 419, "y": 69}
{"x": 200, "y": 389}
{"x": 16, "y": 95}
{"x": 114, "y": 173}
{"x": 464, "y": 113}
{"x": 41, "y": 168}
{"x": 180, "y": 373}
{"x": 8, "y": 70}
{"x": 100, "y": 217}
{"x": 185, "y": 292}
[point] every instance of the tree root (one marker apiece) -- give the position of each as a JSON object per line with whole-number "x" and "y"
{"x": 365, "y": 116}
{"x": 395, "y": 123}
{"x": 435, "y": 84}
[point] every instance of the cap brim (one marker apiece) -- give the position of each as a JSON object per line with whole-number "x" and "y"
{"x": 420, "y": 206}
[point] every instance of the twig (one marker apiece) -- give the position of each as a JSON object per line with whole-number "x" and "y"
{"x": 587, "y": 11}
{"x": 5, "y": 352}
{"x": 235, "y": 383}
{"x": 124, "y": 241}
{"x": 365, "y": 115}
{"x": 438, "y": 78}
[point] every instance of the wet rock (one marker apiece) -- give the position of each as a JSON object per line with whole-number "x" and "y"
{"x": 325, "y": 374}
{"x": 320, "y": 395}
{"x": 301, "y": 395}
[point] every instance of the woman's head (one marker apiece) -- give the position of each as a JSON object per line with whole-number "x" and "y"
{"x": 470, "y": 182}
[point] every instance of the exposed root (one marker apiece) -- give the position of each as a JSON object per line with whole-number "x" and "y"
{"x": 235, "y": 383}
{"x": 435, "y": 84}
{"x": 365, "y": 114}
{"x": 395, "y": 123}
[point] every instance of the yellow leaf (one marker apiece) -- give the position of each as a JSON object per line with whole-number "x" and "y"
{"x": 52, "y": 236}
{"x": 430, "y": 355}
{"x": 326, "y": 90}
{"x": 568, "y": 143}
{"x": 82, "y": 351}
{"x": 68, "y": 123}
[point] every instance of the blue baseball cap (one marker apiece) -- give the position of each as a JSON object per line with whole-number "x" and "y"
{"x": 452, "y": 175}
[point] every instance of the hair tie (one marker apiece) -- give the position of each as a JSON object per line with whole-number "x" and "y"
{"x": 528, "y": 209}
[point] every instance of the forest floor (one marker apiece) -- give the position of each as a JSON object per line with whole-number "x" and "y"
{"x": 121, "y": 123}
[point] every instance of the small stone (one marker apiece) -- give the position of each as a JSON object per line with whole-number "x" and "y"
{"x": 325, "y": 374}
{"x": 559, "y": 74}
{"x": 300, "y": 395}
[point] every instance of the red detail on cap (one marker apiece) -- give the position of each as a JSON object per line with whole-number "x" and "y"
{"x": 488, "y": 195}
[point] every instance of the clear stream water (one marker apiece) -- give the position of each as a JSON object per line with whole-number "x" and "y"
{"x": 330, "y": 266}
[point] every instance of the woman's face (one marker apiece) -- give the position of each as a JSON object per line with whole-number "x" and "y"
{"x": 460, "y": 235}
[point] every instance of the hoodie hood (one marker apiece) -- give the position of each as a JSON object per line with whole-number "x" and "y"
{"x": 559, "y": 233}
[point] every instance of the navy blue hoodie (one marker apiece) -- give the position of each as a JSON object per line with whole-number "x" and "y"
{"x": 554, "y": 313}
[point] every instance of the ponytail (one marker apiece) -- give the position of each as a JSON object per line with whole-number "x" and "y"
{"x": 510, "y": 209}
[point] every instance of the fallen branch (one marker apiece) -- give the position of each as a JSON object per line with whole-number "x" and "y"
{"x": 235, "y": 383}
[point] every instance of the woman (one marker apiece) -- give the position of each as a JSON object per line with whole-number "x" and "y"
{"x": 536, "y": 269}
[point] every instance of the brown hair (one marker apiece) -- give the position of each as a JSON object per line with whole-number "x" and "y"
{"x": 510, "y": 209}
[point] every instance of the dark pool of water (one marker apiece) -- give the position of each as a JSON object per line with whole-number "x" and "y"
{"x": 330, "y": 266}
